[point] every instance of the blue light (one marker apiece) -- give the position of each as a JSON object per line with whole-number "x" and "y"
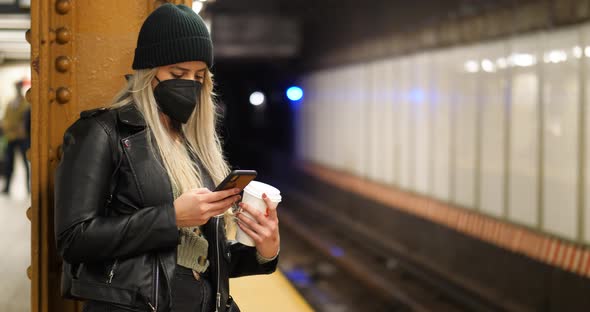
{"x": 299, "y": 277}
{"x": 294, "y": 93}
{"x": 417, "y": 96}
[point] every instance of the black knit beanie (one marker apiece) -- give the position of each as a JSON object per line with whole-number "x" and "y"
{"x": 172, "y": 34}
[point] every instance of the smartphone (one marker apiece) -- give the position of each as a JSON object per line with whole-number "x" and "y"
{"x": 237, "y": 178}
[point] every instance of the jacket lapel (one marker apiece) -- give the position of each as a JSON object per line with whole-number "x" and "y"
{"x": 131, "y": 116}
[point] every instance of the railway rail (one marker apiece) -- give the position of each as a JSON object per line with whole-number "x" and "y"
{"x": 388, "y": 270}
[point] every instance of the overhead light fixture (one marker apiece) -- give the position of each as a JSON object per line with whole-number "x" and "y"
{"x": 522, "y": 59}
{"x": 555, "y": 56}
{"x": 471, "y": 66}
{"x": 488, "y": 66}
{"x": 257, "y": 98}
{"x": 577, "y": 51}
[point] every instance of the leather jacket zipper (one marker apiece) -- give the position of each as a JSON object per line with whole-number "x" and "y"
{"x": 112, "y": 274}
{"x": 112, "y": 271}
{"x": 218, "y": 301}
{"x": 147, "y": 300}
{"x": 156, "y": 284}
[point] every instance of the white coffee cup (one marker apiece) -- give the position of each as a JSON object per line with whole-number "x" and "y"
{"x": 253, "y": 197}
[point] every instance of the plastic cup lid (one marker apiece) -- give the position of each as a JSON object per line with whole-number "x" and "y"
{"x": 256, "y": 189}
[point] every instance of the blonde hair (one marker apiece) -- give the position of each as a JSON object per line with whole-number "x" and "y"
{"x": 200, "y": 133}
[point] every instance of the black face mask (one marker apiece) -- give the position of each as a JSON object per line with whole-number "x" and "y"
{"x": 177, "y": 98}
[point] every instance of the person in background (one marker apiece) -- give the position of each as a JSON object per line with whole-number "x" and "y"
{"x": 15, "y": 132}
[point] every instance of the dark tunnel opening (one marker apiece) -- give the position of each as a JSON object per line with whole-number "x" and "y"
{"x": 251, "y": 134}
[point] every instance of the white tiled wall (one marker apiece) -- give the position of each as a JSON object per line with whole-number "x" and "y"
{"x": 404, "y": 82}
{"x": 388, "y": 141}
{"x": 376, "y": 122}
{"x": 396, "y": 98}
{"x": 380, "y": 161}
{"x": 441, "y": 124}
{"x": 493, "y": 92}
{"x": 561, "y": 96}
{"x": 487, "y": 126}
{"x": 419, "y": 102}
{"x": 464, "y": 106}
{"x": 524, "y": 131}
{"x": 361, "y": 128}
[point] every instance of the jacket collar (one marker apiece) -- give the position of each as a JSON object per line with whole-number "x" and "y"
{"x": 130, "y": 115}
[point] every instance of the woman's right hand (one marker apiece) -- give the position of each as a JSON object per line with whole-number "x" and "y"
{"x": 196, "y": 207}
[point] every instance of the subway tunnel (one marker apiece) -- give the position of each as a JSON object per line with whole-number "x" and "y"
{"x": 436, "y": 158}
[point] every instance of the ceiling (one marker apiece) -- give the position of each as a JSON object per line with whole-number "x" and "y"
{"x": 277, "y": 28}
{"x": 332, "y": 22}
{"x": 325, "y": 10}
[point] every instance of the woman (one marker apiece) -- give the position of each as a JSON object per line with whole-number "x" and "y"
{"x": 135, "y": 220}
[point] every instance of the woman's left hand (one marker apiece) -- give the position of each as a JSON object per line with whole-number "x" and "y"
{"x": 264, "y": 229}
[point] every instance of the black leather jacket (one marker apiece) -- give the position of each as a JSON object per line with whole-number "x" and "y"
{"x": 115, "y": 224}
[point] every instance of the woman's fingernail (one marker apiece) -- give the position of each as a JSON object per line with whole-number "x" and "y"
{"x": 263, "y": 195}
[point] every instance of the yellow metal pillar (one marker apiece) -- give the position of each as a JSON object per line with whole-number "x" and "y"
{"x": 80, "y": 51}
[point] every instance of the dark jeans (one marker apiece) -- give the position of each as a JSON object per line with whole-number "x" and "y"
{"x": 188, "y": 295}
{"x": 9, "y": 158}
{"x": 191, "y": 295}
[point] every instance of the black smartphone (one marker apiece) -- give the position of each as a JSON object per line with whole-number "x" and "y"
{"x": 237, "y": 178}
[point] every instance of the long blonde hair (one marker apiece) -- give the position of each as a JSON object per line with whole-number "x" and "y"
{"x": 200, "y": 132}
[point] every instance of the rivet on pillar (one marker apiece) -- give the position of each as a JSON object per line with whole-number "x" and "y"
{"x": 63, "y": 35}
{"x": 63, "y": 95}
{"x": 28, "y": 35}
{"x": 63, "y": 64}
{"x": 28, "y": 95}
{"x": 63, "y": 6}
{"x": 30, "y": 214}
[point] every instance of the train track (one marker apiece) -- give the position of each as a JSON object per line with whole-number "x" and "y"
{"x": 378, "y": 263}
